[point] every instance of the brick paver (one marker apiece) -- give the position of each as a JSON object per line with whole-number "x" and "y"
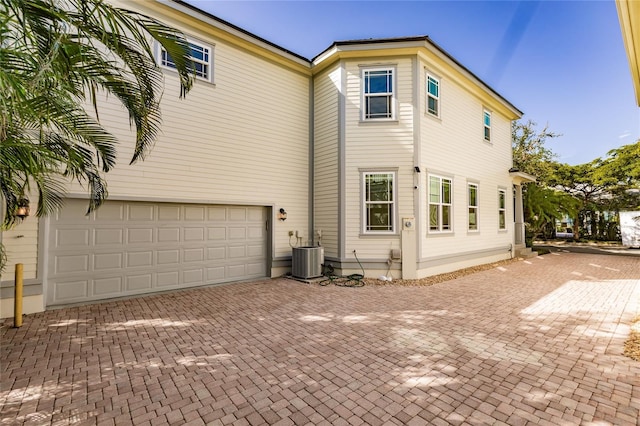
{"x": 534, "y": 342}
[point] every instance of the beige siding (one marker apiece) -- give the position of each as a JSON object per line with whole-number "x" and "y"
{"x": 21, "y": 243}
{"x": 326, "y": 104}
{"x": 242, "y": 140}
{"x": 453, "y": 146}
{"x": 376, "y": 145}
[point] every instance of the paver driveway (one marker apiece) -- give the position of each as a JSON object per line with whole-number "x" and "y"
{"x": 534, "y": 342}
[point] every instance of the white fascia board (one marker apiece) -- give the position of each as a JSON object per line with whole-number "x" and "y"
{"x": 233, "y": 31}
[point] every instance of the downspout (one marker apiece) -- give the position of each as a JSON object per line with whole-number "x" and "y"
{"x": 312, "y": 224}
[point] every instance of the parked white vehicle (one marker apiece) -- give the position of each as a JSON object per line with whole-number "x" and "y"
{"x": 630, "y": 228}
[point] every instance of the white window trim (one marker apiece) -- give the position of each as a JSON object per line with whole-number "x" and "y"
{"x": 486, "y": 112}
{"x": 502, "y": 209}
{"x": 363, "y": 96}
{"x": 476, "y": 207}
{"x": 199, "y": 43}
{"x": 364, "y": 202}
{"x": 440, "y": 204}
{"x": 428, "y": 95}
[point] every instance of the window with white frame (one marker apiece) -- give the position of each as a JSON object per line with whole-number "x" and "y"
{"x": 379, "y": 202}
{"x": 472, "y": 189}
{"x": 487, "y": 125}
{"x": 502, "y": 209}
{"x": 433, "y": 95}
{"x": 377, "y": 94}
{"x": 440, "y": 204}
{"x": 201, "y": 57}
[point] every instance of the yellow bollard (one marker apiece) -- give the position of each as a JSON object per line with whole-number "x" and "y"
{"x": 17, "y": 311}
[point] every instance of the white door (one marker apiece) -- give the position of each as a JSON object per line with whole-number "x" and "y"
{"x": 129, "y": 247}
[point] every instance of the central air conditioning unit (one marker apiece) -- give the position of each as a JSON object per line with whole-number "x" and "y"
{"x": 306, "y": 262}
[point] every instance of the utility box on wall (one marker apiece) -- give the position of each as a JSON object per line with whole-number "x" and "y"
{"x": 306, "y": 262}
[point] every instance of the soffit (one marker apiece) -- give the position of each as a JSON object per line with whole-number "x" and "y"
{"x": 629, "y": 15}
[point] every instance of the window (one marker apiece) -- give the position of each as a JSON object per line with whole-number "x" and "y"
{"x": 379, "y": 202}
{"x": 440, "y": 190}
{"x": 201, "y": 57}
{"x": 487, "y": 125}
{"x": 502, "y": 209}
{"x": 378, "y": 93}
{"x": 433, "y": 95}
{"x": 473, "y": 206}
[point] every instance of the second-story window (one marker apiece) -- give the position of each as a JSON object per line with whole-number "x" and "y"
{"x": 201, "y": 57}
{"x": 487, "y": 125}
{"x": 377, "y": 94}
{"x": 433, "y": 95}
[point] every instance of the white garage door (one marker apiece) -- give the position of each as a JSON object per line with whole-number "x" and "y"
{"x": 127, "y": 248}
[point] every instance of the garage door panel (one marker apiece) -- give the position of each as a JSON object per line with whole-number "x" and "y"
{"x": 167, "y": 279}
{"x": 72, "y": 263}
{"x": 215, "y": 274}
{"x": 168, "y": 235}
{"x": 237, "y": 214}
{"x": 72, "y": 237}
{"x": 194, "y": 213}
{"x": 72, "y": 291}
{"x": 236, "y": 271}
{"x": 104, "y": 261}
{"x": 256, "y": 269}
{"x": 216, "y": 253}
{"x": 255, "y": 250}
{"x": 141, "y": 247}
{"x": 75, "y": 211}
{"x": 237, "y": 252}
{"x": 194, "y": 255}
{"x": 168, "y": 257}
{"x": 169, "y": 213}
{"x": 237, "y": 233}
{"x": 217, "y": 214}
{"x": 141, "y": 212}
{"x": 193, "y": 276}
{"x": 110, "y": 212}
{"x": 139, "y": 282}
{"x": 217, "y": 234}
{"x": 110, "y": 286}
{"x": 255, "y": 214}
{"x": 256, "y": 232}
{"x": 141, "y": 258}
{"x": 194, "y": 234}
{"x": 108, "y": 236}
{"x": 140, "y": 236}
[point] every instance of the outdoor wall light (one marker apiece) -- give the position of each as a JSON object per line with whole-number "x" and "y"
{"x": 282, "y": 215}
{"x": 22, "y": 210}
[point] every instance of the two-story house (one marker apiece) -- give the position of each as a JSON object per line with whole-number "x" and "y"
{"x": 388, "y": 150}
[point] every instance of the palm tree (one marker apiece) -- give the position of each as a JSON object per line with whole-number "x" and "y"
{"x": 56, "y": 57}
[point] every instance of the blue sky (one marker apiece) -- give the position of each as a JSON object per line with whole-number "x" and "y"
{"x": 562, "y": 63}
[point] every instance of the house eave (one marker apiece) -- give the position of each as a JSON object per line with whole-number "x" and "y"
{"x": 629, "y": 16}
{"x": 231, "y": 33}
{"x": 519, "y": 177}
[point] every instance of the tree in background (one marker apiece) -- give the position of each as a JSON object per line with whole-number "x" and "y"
{"x": 542, "y": 205}
{"x": 604, "y": 187}
{"x": 55, "y": 58}
{"x": 530, "y": 155}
